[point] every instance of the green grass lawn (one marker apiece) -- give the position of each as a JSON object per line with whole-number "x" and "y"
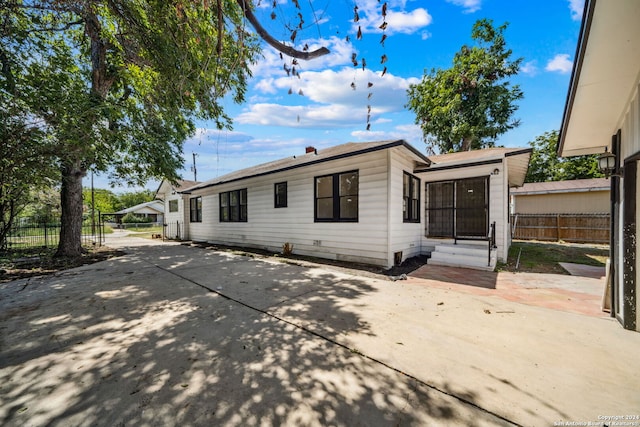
{"x": 147, "y": 232}
{"x": 543, "y": 257}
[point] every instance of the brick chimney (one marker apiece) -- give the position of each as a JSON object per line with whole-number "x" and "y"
{"x": 310, "y": 149}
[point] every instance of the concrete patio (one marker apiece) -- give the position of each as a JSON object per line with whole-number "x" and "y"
{"x": 175, "y": 335}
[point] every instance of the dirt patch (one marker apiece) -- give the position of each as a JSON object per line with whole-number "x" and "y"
{"x": 39, "y": 262}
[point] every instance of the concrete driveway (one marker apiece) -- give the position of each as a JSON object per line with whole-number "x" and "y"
{"x": 175, "y": 335}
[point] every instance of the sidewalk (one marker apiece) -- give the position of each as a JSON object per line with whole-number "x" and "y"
{"x": 177, "y": 335}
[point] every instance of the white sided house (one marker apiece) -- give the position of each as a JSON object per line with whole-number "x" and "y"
{"x": 153, "y": 210}
{"x": 373, "y": 202}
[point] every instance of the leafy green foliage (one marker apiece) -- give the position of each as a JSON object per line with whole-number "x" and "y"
{"x": 469, "y": 105}
{"x": 116, "y": 86}
{"x": 545, "y": 165}
{"x": 132, "y": 218}
{"x": 128, "y": 199}
{"x": 25, "y": 160}
{"x": 44, "y": 206}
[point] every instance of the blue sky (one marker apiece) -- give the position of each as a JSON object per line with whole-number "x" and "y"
{"x": 323, "y": 110}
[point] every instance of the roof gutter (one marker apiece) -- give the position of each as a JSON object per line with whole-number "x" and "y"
{"x": 519, "y": 152}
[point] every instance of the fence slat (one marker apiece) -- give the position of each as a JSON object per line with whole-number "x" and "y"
{"x": 579, "y": 228}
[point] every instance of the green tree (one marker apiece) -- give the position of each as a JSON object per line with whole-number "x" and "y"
{"x": 132, "y": 198}
{"x": 25, "y": 159}
{"x": 44, "y": 205}
{"x": 106, "y": 201}
{"x": 117, "y": 85}
{"x": 545, "y": 165}
{"x": 467, "y": 106}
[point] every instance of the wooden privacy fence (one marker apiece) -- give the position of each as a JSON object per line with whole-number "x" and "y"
{"x": 578, "y": 228}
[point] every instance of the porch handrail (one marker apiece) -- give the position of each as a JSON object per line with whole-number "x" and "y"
{"x": 491, "y": 241}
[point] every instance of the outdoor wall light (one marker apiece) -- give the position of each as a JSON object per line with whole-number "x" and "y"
{"x": 607, "y": 164}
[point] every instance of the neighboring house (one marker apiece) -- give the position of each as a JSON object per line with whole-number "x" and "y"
{"x": 360, "y": 202}
{"x": 579, "y": 196}
{"x": 174, "y": 207}
{"x": 153, "y": 210}
{"x": 603, "y": 113}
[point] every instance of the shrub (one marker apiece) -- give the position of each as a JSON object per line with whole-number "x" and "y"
{"x": 132, "y": 218}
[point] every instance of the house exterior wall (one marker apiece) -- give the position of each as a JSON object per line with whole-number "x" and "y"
{"x": 629, "y": 150}
{"x": 498, "y": 206}
{"x": 564, "y": 203}
{"x": 269, "y": 227}
{"x": 174, "y": 221}
{"x": 405, "y": 237}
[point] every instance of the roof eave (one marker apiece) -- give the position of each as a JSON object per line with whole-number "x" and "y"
{"x": 587, "y": 18}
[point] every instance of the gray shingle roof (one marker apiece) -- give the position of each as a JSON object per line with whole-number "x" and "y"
{"x": 332, "y": 153}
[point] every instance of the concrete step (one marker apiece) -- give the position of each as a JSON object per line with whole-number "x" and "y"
{"x": 467, "y": 256}
{"x": 462, "y": 249}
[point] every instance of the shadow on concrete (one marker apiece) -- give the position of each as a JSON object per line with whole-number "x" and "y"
{"x": 181, "y": 336}
{"x": 458, "y": 276}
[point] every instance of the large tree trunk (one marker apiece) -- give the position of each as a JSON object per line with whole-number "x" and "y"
{"x": 70, "y": 244}
{"x": 466, "y": 143}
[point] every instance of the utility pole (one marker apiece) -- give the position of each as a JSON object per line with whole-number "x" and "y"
{"x": 193, "y": 168}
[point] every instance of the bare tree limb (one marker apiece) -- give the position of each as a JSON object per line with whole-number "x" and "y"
{"x": 287, "y": 50}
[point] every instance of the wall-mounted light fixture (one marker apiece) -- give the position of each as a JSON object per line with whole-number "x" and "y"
{"x": 607, "y": 164}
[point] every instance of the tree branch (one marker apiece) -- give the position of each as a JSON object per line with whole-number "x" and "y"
{"x": 287, "y": 50}
{"x": 63, "y": 28}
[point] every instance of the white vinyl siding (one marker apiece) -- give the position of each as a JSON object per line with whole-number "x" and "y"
{"x": 173, "y": 217}
{"x": 268, "y": 227}
{"x": 405, "y": 236}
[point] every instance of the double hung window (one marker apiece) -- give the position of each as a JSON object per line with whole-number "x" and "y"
{"x": 233, "y": 206}
{"x": 336, "y": 197}
{"x": 195, "y": 209}
{"x": 410, "y": 198}
{"x": 280, "y": 195}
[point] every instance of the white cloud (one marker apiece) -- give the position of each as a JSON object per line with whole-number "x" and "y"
{"x": 310, "y": 116}
{"x": 409, "y": 132}
{"x": 408, "y": 22}
{"x": 560, "y": 63}
{"x": 398, "y": 19}
{"x": 330, "y": 99}
{"x": 529, "y": 68}
{"x": 271, "y": 64}
{"x": 469, "y": 6}
{"x": 576, "y": 7}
